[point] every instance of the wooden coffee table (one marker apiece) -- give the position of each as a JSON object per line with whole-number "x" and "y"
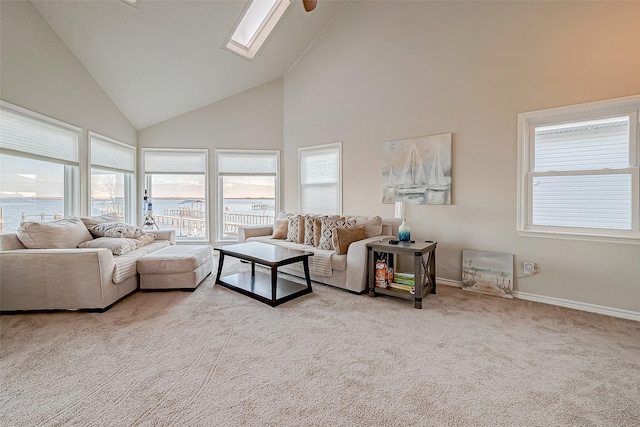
{"x": 267, "y": 288}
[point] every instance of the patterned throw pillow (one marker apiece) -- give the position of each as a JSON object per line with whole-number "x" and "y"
{"x": 116, "y": 229}
{"x": 328, "y": 225}
{"x": 118, "y": 246}
{"x": 317, "y": 228}
{"x": 309, "y": 221}
{"x": 295, "y": 230}
{"x": 146, "y": 238}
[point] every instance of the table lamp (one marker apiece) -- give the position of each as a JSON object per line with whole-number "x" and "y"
{"x": 404, "y": 231}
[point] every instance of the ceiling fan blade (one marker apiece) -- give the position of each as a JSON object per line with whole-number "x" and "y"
{"x": 309, "y": 5}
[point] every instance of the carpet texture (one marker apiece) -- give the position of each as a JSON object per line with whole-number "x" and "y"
{"x": 217, "y": 358}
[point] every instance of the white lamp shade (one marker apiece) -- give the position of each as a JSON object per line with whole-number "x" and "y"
{"x": 399, "y": 210}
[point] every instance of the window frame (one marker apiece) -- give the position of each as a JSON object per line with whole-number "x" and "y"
{"x": 262, "y": 33}
{"x": 527, "y": 123}
{"x": 129, "y": 175}
{"x": 318, "y": 149}
{"x": 72, "y": 167}
{"x": 219, "y": 217}
{"x": 146, "y": 185}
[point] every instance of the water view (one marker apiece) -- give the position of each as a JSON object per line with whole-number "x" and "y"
{"x": 186, "y": 216}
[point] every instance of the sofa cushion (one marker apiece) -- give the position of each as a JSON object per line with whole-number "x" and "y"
{"x": 124, "y": 266}
{"x": 64, "y": 233}
{"x": 95, "y": 220}
{"x": 280, "y": 229}
{"x": 116, "y": 229}
{"x": 174, "y": 259}
{"x": 117, "y": 245}
{"x": 328, "y": 225}
{"x": 343, "y": 237}
{"x": 295, "y": 229}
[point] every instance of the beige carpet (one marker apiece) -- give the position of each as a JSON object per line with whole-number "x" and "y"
{"x": 217, "y": 358}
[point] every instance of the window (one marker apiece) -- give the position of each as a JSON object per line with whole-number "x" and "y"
{"x": 257, "y": 22}
{"x": 247, "y": 189}
{"x": 320, "y": 188}
{"x": 112, "y": 177}
{"x": 578, "y": 171}
{"x": 176, "y": 184}
{"x": 39, "y": 167}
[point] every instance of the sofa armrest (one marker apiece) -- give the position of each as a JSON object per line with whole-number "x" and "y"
{"x": 246, "y": 231}
{"x": 42, "y": 279}
{"x": 357, "y": 263}
{"x": 165, "y": 234}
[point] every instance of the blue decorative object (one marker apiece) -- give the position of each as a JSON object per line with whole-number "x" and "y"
{"x": 404, "y": 231}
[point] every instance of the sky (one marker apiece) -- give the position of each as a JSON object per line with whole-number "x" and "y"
{"x": 21, "y": 177}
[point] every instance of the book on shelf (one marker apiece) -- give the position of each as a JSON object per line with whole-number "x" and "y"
{"x": 404, "y": 278}
{"x": 400, "y": 286}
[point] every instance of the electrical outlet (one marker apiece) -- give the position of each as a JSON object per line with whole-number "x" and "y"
{"x": 529, "y": 268}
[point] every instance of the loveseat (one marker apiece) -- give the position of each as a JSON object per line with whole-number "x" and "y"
{"x": 340, "y": 251}
{"x": 42, "y": 267}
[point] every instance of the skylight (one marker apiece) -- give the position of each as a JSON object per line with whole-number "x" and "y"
{"x": 257, "y": 22}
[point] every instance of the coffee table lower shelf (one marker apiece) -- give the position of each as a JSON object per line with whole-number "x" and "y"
{"x": 259, "y": 287}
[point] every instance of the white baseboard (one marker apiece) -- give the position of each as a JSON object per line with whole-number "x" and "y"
{"x": 576, "y": 305}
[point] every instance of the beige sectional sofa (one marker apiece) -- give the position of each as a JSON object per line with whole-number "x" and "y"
{"x": 41, "y": 267}
{"x": 347, "y": 271}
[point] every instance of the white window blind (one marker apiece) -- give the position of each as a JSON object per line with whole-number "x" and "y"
{"x": 175, "y": 161}
{"x": 320, "y": 179}
{"x": 236, "y": 162}
{"x": 31, "y": 135}
{"x": 111, "y": 155}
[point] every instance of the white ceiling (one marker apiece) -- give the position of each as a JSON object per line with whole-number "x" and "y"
{"x": 165, "y": 58}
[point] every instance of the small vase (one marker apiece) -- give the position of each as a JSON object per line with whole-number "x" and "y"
{"x": 404, "y": 231}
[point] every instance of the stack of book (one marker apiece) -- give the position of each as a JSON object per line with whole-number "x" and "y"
{"x": 403, "y": 282}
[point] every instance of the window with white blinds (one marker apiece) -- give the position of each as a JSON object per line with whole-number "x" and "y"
{"x": 320, "y": 181}
{"x": 578, "y": 171}
{"x": 177, "y": 188}
{"x": 40, "y": 161}
{"x": 248, "y": 183}
{"x": 112, "y": 186}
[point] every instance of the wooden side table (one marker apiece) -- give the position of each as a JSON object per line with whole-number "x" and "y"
{"x": 424, "y": 268}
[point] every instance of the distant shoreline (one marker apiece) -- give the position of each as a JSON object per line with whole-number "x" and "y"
{"x": 155, "y": 198}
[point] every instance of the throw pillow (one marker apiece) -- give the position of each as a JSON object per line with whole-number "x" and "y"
{"x": 309, "y": 223}
{"x": 280, "y": 229}
{"x": 343, "y": 237}
{"x": 328, "y": 225}
{"x": 317, "y": 227}
{"x": 295, "y": 229}
{"x": 116, "y": 229}
{"x": 64, "y": 233}
{"x": 117, "y": 245}
{"x": 372, "y": 224}
{"x": 95, "y": 220}
{"x": 146, "y": 239}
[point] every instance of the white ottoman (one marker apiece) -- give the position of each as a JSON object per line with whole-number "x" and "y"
{"x": 175, "y": 267}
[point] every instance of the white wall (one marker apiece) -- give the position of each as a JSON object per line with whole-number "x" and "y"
{"x": 390, "y": 70}
{"x": 38, "y": 72}
{"x": 249, "y": 120}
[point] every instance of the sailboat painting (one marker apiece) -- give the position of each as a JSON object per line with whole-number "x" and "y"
{"x": 417, "y": 170}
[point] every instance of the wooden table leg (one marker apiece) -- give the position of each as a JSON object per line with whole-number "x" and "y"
{"x": 220, "y": 262}
{"x": 307, "y": 276}
{"x": 274, "y": 283}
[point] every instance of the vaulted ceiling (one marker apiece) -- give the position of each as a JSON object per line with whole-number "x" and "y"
{"x": 165, "y": 57}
